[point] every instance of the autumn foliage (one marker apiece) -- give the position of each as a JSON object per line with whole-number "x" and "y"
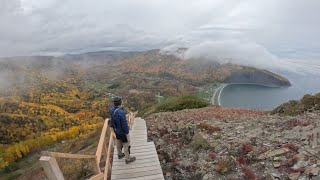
{"x": 43, "y": 112}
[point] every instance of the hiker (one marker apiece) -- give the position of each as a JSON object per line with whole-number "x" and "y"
{"x": 121, "y": 129}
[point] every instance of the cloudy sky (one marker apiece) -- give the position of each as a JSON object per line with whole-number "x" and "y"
{"x": 250, "y": 28}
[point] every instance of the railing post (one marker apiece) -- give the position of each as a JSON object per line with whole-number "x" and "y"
{"x": 96, "y": 166}
{"x": 108, "y": 162}
{"x": 51, "y": 168}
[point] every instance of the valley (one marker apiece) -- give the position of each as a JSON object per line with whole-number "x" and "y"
{"x": 45, "y": 100}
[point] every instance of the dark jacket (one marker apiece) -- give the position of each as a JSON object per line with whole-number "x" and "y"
{"x": 119, "y": 121}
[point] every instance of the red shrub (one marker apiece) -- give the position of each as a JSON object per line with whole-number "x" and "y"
{"x": 293, "y": 123}
{"x": 212, "y": 155}
{"x": 246, "y": 148}
{"x": 248, "y": 174}
{"x": 241, "y": 160}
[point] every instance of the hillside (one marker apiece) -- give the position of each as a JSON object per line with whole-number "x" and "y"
{"x": 38, "y": 109}
{"x": 46, "y": 100}
{"x": 222, "y": 143}
{"x": 308, "y": 103}
{"x": 195, "y": 71}
{"x": 139, "y": 76}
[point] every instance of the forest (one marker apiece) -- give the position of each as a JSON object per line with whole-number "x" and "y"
{"x": 37, "y": 111}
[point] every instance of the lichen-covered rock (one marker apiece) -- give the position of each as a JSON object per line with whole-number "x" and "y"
{"x": 199, "y": 142}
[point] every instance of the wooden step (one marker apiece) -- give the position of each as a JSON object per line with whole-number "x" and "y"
{"x": 147, "y": 165}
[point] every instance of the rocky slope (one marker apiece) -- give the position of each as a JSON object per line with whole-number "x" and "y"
{"x": 219, "y": 143}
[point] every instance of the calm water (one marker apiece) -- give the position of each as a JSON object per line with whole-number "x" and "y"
{"x": 260, "y": 97}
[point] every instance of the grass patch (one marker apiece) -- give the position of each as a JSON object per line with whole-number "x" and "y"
{"x": 204, "y": 94}
{"x": 175, "y": 104}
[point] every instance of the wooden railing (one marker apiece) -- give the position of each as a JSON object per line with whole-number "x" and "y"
{"x": 51, "y": 167}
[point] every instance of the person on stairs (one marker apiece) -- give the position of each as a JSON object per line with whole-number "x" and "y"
{"x": 120, "y": 126}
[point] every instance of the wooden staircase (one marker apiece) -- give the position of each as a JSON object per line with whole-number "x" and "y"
{"x": 146, "y": 166}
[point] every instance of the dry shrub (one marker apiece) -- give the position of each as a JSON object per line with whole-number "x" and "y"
{"x": 199, "y": 142}
{"x": 209, "y": 128}
{"x": 76, "y": 169}
{"x": 248, "y": 173}
{"x": 222, "y": 166}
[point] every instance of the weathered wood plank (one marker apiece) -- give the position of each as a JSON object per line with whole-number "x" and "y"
{"x": 108, "y": 164}
{"x": 135, "y": 170}
{"x": 138, "y": 133}
{"x": 138, "y": 144}
{"x": 139, "y": 155}
{"x": 136, "y": 174}
{"x": 139, "y": 128}
{"x": 97, "y": 177}
{"x": 151, "y": 177}
{"x": 135, "y": 142}
{"x": 139, "y": 160}
{"x": 141, "y": 146}
{"x": 102, "y": 140}
{"x": 139, "y": 125}
{"x": 132, "y": 166}
{"x": 133, "y": 151}
{"x": 138, "y": 136}
{"x": 67, "y": 155}
{"x": 51, "y": 168}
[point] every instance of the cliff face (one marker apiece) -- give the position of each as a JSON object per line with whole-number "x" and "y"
{"x": 256, "y": 76}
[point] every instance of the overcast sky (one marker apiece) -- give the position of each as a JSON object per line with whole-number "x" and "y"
{"x": 275, "y": 28}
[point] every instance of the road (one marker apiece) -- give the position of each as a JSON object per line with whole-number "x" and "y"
{"x": 215, "y": 100}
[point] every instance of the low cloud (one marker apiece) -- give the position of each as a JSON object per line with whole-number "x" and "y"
{"x": 262, "y": 33}
{"x": 243, "y": 53}
{"x": 232, "y": 51}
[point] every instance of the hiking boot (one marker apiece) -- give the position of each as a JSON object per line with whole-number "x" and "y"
{"x": 121, "y": 156}
{"x": 132, "y": 159}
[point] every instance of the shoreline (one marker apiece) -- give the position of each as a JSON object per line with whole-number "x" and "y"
{"x": 216, "y": 97}
{"x": 215, "y": 100}
{"x": 269, "y": 86}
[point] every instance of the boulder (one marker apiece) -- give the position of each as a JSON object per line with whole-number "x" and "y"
{"x": 294, "y": 176}
{"x": 272, "y": 153}
{"x": 313, "y": 171}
